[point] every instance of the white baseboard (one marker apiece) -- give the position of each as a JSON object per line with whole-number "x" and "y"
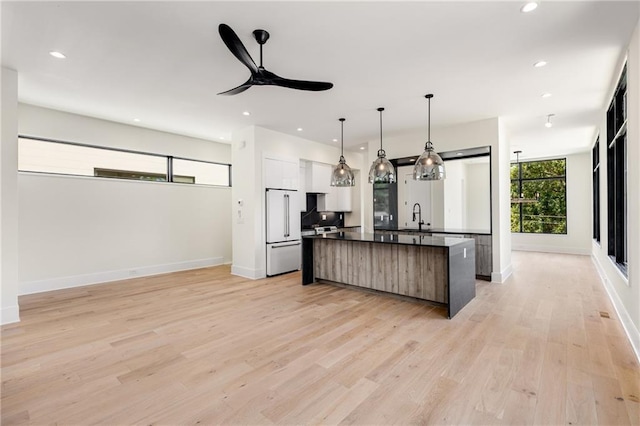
{"x": 253, "y": 274}
{"x": 629, "y": 327}
{"x": 9, "y": 314}
{"x": 39, "y": 286}
{"x": 500, "y": 277}
{"x": 551, "y": 249}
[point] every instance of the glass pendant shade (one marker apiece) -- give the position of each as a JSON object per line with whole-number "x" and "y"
{"x": 429, "y": 165}
{"x": 382, "y": 171}
{"x": 342, "y": 175}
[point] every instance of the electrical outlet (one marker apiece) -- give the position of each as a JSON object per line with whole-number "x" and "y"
{"x": 324, "y": 217}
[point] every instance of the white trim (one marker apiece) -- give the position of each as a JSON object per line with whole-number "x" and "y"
{"x": 629, "y": 327}
{"x": 551, "y": 249}
{"x": 500, "y": 277}
{"x": 40, "y": 286}
{"x": 615, "y": 267}
{"x": 252, "y": 274}
{"x": 9, "y": 314}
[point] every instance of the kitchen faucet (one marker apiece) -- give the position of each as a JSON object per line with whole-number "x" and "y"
{"x": 420, "y": 221}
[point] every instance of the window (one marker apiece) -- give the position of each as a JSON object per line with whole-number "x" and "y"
{"x": 133, "y": 175}
{"x": 49, "y": 156}
{"x": 617, "y": 175}
{"x": 539, "y": 197}
{"x": 595, "y": 157}
{"x": 201, "y": 172}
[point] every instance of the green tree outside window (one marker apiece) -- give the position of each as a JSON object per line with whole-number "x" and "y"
{"x": 538, "y": 197}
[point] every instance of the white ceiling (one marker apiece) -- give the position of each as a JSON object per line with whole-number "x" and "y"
{"x": 164, "y": 62}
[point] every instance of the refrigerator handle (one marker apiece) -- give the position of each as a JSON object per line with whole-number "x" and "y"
{"x": 286, "y": 215}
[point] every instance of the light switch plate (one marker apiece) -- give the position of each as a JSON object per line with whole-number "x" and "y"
{"x": 324, "y": 217}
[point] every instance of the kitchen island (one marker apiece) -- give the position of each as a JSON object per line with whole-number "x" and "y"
{"x": 438, "y": 269}
{"x": 482, "y": 237}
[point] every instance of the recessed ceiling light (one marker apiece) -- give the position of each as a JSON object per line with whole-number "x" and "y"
{"x": 546, "y": 95}
{"x": 529, "y": 7}
{"x": 221, "y": 137}
{"x": 57, "y": 54}
{"x": 540, "y": 64}
{"x": 299, "y": 129}
{"x": 335, "y": 140}
{"x": 137, "y": 120}
{"x": 362, "y": 147}
{"x": 246, "y": 113}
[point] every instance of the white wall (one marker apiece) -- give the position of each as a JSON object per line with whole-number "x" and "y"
{"x": 454, "y": 195}
{"x": 490, "y": 132}
{"x": 577, "y": 240}
{"x": 478, "y": 196}
{"x": 250, "y": 145}
{"x": 77, "y": 231}
{"x": 82, "y": 230}
{"x": 624, "y": 292}
{"x": 247, "y": 201}
{"x": 53, "y": 124}
{"x": 9, "y": 311}
{"x": 501, "y": 205}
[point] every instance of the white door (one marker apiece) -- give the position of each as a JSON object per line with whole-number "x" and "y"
{"x": 411, "y": 192}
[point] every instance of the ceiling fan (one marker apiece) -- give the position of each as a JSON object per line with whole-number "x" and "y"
{"x": 259, "y": 75}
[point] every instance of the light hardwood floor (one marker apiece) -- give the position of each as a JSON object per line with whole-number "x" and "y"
{"x": 206, "y": 347}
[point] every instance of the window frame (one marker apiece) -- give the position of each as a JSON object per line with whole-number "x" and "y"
{"x": 595, "y": 159}
{"x": 169, "y": 158}
{"x": 521, "y": 179}
{"x": 617, "y": 183}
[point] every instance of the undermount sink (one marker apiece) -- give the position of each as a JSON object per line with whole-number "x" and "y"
{"x": 415, "y": 229}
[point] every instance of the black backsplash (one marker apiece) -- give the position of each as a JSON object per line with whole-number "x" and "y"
{"x": 312, "y": 218}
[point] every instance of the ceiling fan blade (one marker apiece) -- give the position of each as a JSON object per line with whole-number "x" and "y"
{"x": 236, "y": 47}
{"x": 244, "y": 86}
{"x": 315, "y": 86}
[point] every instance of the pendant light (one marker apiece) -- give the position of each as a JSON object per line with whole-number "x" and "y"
{"x": 342, "y": 174}
{"x": 382, "y": 170}
{"x": 429, "y": 165}
{"x": 520, "y": 198}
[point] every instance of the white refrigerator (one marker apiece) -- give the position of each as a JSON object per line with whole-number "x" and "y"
{"x": 284, "y": 247}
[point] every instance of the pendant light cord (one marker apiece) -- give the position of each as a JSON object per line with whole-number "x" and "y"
{"x": 342, "y": 137}
{"x": 428, "y": 145}
{"x": 429, "y": 119}
{"x": 380, "y": 110}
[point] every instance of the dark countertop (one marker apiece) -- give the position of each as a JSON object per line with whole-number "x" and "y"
{"x": 440, "y": 230}
{"x": 413, "y": 240}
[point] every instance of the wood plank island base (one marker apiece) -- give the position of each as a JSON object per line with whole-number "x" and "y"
{"x": 437, "y": 269}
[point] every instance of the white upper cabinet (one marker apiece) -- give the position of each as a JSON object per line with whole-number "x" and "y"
{"x": 281, "y": 174}
{"x": 338, "y": 199}
{"x": 318, "y": 177}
